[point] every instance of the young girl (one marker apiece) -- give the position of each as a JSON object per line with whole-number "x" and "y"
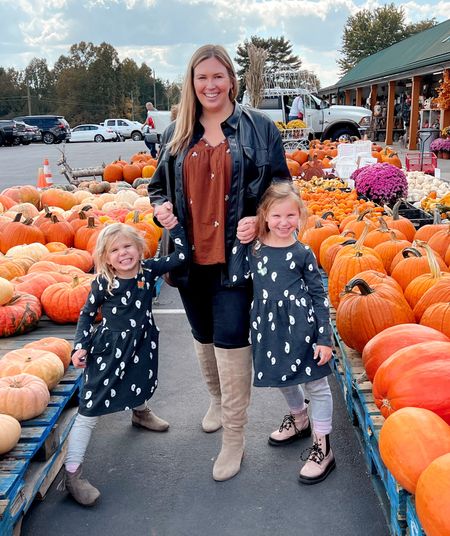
{"x": 120, "y": 355}
{"x": 290, "y": 325}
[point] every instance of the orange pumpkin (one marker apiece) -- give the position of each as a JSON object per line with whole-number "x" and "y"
{"x": 60, "y": 347}
{"x": 437, "y": 316}
{"x": 63, "y": 302}
{"x": 113, "y": 172}
{"x": 72, "y": 256}
{"x": 389, "y": 249}
{"x": 54, "y": 197}
{"x": 23, "y": 396}
{"x": 33, "y": 283}
{"x": 19, "y": 315}
{"x": 17, "y": 233}
{"x": 439, "y": 292}
{"x": 410, "y": 439}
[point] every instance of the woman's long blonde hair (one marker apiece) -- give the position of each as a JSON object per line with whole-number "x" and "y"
{"x": 189, "y": 107}
{"x": 278, "y": 191}
{"x": 105, "y": 241}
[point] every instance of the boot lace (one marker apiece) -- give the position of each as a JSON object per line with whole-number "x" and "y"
{"x": 314, "y": 453}
{"x": 287, "y": 423}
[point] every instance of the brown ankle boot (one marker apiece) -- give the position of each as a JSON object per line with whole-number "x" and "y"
{"x": 145, "y": 418}
{"x": 80, "y": 489}
{"x": 293, "y": 427}
{"x": 320, "y": 461}
{"x": 235, "y": 372}
{"x": 212, "y": 421}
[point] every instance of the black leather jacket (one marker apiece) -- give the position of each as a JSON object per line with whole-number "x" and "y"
{"x": 257, "y": 156}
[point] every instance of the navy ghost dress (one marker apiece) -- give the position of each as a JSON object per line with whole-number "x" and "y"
{"x": 122, "y": 351}
{"x": 289, "y": 314}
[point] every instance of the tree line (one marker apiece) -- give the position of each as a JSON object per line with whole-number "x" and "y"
{"x": 90, "y": 83}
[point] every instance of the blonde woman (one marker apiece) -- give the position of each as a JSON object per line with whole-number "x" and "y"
{"x": 215, "y": 163}
{"x": 119, "y": 355}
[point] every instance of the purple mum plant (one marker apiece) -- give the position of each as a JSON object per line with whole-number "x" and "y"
{"x": 382, "y": 183}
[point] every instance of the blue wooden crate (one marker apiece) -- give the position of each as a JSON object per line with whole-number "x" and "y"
{"x": 412, "y": 521}
{"x": 14, "y": 464}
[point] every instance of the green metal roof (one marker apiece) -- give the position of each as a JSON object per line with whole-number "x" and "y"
{"x": 426, "y": 49}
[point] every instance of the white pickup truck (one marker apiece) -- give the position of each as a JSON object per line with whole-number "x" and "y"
{"x": 324, "y": 120}
{"x": 133, "y": 129}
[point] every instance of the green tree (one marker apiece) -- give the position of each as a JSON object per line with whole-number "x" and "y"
{"x": 40, "y": 80}
{"x": 370, "y": 31}
{"x": 12, "y": 93}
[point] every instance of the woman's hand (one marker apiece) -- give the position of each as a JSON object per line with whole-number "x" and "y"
{"x": 323, "y": 354}
{"x": 246, "y": 229}
{"x": 79, "y": 359}
{"x": 165, "y": 215}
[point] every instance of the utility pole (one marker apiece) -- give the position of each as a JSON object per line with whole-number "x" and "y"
{"x": 29, "y": 100}
{"x": 132, "y": 106}
{"x": 154, "y": 88}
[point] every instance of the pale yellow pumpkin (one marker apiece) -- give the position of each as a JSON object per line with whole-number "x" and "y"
{"x": 36, "y": 251}
{"x": 9, "y": 433}
{"x": 6, "y": 291}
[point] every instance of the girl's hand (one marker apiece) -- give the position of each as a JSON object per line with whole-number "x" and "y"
{"x": 323, "y": 354}
{"x": 79, "y": 359}
{"x": 165, "y": 215}
{"x": 246, "y": 232}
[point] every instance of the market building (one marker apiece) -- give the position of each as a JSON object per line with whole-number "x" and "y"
{"x": 399, "y": 85}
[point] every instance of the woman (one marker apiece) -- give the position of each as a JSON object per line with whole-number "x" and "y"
{"x": 215, "y": 163}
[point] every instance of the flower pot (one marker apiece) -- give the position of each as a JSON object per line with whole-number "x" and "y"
{"x": 446, "y": 155}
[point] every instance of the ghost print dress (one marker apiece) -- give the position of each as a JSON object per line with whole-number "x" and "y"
{"x": 289, "y": 314}
{"x": 122, "y": 351}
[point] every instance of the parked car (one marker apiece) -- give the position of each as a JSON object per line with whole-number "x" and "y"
{"x": 92, "y": 132}
{"x": 34, "y": 132}
{"x": 54, "y": 128}
{"x": 14, "y": 133}
{"x": 126, "y": 128}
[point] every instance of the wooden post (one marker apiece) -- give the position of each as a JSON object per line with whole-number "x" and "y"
{"x": 373, "y": 95}
{"x": 445, "y": 118}
{"x": 359, "y": 96}
{"x": 390, "y": 113}
{"x": 348, "y": 97}
{"x": 414, "y": 115}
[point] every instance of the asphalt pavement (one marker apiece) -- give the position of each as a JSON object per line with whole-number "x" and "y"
{"x": 161, "y": 484}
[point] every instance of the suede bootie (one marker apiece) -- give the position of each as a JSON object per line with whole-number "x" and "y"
{"x": 80, "y": 489}
{"x": 212, "y": 421}
{"x": 294, "y": 426}
{"x": 145, "y": 418}
{"x": 235, "y": 372}
{"x": 319, "y": 461}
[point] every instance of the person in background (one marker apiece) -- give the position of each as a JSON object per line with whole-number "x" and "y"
{"x": 290, "y": 324}
{"x": 216, "y": 161}
{"x": 297, "y": 110}
{"x": 119, "y": 355}
{"x": 149, "y": 128}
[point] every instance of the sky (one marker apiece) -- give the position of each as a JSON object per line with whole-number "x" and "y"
{"x": 165, "y": 33}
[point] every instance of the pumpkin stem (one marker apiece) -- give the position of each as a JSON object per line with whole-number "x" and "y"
{"x": 362, "y": 285}
{"x": 436, "y": 217}
{"x": 411, "y": 252}
{"x": 363, "y": 213}
{"x": 435, "y": 269}
{"x": 396, "y": 209}
{"x": 385, "y": 403}
{"x": 75, "y": 281}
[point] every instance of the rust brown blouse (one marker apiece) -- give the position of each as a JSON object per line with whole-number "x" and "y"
{"x": 207, "y": 179}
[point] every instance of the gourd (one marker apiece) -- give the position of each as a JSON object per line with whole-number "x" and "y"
{"x": 410, "y": 439}
{"x": 23, "y": 396}
{"x": 9, "y": 433}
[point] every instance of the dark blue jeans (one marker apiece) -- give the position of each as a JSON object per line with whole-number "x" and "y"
{"x": 151, "y": 147}
{"x": 217, "y": 314}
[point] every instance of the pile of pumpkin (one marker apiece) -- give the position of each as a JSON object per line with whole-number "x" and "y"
{"x": 140, "y": 165}
{"x": 390, "y": 285}
{"x": 46, "y": 255}
{"x": 27, "y": 376}
{"x": 318, "y": 161}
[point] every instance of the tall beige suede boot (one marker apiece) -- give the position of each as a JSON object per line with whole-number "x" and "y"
{"x": 212, "y": 421}
{"x": 235, "y": 372}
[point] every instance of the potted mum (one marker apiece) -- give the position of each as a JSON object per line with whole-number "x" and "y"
{"x": 382, "y": 183}
{"x": 437, "y": 146}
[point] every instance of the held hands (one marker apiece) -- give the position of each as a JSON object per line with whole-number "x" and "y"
{"x": 323, "y": 354}
{"x": 165, "y": 215}
{"x": 79, "y": 359}
{"x": 246, "y": 229}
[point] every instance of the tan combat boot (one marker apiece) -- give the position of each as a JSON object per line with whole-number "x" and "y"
{"x": 235, "y": 372}
{"x": 320, "y": 461}
{"x": 293, "y": 427}
{"x": 80, "y": 489}
{"x": 212, "y": 421}
{"x": 145, "y": 418}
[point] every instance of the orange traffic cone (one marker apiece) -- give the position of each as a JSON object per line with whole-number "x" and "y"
{"x": 47, "y": 173}
{"x": 41, "y": 182}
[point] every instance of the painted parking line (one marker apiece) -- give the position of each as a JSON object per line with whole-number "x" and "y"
{"x": 170, "y": 311}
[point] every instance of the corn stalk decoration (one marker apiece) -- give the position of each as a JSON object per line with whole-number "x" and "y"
{"x": 254, "y": 77}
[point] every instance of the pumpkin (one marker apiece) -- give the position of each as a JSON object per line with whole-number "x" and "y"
{"x": 294, "y": 167}
{"x": 49, "y": 266}
{"x": 99, "y": 187}
{"x": 33, "y": 283}
{"x": 60, "y": 347}
{"x": 131, "y": 172}
{"x": 360, "y": 224}
{"x": 387, "y": 342}
{"x": 382, "y": 234}
{"x": 439, "y": 292}
{"x": 440, "y": 241}
{"x": 55, "y": 246}
{"x": 73, "y": 257}
{"x": 415, "y": 376}
{"x": 360, "y": 316}
{"x": 425, "y": 232}
{"x": 58, "y": 198}
{"x": 150, "y": 234}
{"x": 410, "y": 439}
{"x": 23, "y": 194}
{"x": 148, "y": 171}
{"x": 433, "y": 497}
{"x": 20, "y": 315}
{"x": 314, "y": 236}
{"x": 23, "y": 396}
{"x": 63, "y": 302}
{"x": 41, "y": 363}
{"x": 113, "y": 172}
{"x": 400, "y": 223}
{"x": 17, "y": 233}
{"x": 58, "y": 231}
{"x": 85, "y": 232}
{"x": 437, "y": 316}
{"x": 6, "y": 291}
{"x": 27, "y": 209}
{"x": 10, "y": 431}
{"x": 36, "y": 251}
{"x": 415, "y": 264}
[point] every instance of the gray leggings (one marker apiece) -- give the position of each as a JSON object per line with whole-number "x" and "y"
{"x": 319, "y": 393}
{"x": 79, "y": 437}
